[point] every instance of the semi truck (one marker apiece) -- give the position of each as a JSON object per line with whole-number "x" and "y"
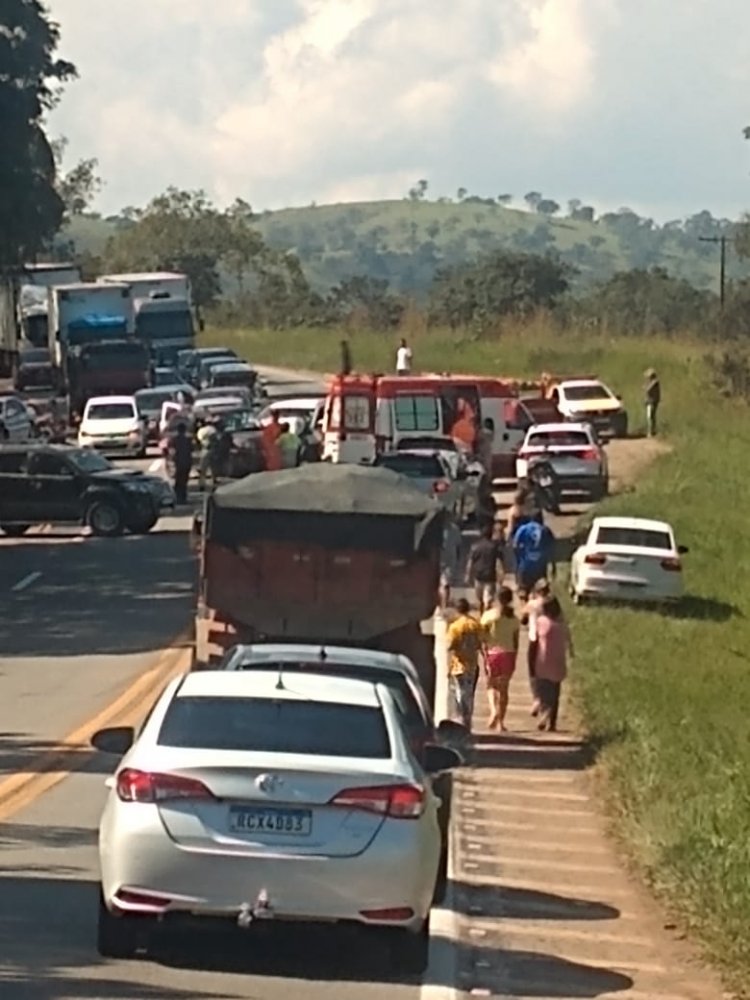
{"x": 162, "y": 312}
{"x": 324, "y": 554}
{"x": 92, "y": 349}
{"x": 35, "y": 281}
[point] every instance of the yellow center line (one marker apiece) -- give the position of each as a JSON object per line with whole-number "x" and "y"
{"x": 71, "y": 753}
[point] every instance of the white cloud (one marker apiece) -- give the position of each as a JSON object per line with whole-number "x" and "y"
{"x": 295, "y": 100}
{"x": 554, "y": 67}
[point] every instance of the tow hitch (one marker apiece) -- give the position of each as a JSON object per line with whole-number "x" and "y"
{"x": 261, "y": 909}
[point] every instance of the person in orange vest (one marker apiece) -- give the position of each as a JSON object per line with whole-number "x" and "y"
{"x": 269, "y": 442}
{"x": 464, "y": 431}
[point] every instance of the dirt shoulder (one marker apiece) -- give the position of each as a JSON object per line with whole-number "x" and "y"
{"x": 630, "y": 457}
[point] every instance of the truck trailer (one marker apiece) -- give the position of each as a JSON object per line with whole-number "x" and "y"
{"x": 325, "y": 554}
{"x": 34, "y": 281}
{"x": 91, "y": 347}
{"x": 162, "y": 311}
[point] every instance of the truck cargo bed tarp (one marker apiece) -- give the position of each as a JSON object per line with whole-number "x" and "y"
{"x": 337, "y": 506}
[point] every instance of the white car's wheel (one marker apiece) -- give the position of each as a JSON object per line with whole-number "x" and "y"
{"x": 409, "y": 951}
{"x": 116, "y": 937}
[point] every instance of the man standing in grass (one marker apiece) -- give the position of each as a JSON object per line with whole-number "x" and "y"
{"x": 403, "y": 358}
{"x": 653, "y": 399}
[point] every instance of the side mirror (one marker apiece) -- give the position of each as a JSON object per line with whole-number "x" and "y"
{"x": 619, "y": 397}
{"x": 683, "y": 550}
{"x": 438, "y": 758}
{"x": 116, "y": 741}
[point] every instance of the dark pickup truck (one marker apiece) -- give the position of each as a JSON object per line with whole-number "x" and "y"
{"x": 40, "y": 484}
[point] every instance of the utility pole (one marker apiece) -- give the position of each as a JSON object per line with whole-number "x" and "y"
{"x": 722, "y": 241}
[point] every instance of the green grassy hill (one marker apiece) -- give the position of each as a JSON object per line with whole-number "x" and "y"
{"x": 406, "y": 241}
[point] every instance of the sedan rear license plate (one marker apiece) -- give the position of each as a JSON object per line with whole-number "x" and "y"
{"x": 291, "y": 822}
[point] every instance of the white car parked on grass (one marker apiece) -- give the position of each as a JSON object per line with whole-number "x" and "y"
{"x": 630, "y": 559}
{"x": 251, "y": 795}
{"x": 113, "y": 425}
{"x": 573, "y": 451}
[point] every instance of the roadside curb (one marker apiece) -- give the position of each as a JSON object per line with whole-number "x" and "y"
{"x": 71, "y": 754}
{"x": 440, "y": 981}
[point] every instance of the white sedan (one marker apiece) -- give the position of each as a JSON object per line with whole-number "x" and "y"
{"x": 630, "y": 559}
{"x": 259, "y": 796}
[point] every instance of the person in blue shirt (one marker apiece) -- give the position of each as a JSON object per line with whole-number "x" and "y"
{"x": 534, "y": 549}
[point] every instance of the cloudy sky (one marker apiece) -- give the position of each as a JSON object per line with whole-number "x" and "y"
{"x": 282, "y": 102}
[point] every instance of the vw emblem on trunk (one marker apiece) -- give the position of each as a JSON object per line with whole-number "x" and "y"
{"x": 267, "y": 782}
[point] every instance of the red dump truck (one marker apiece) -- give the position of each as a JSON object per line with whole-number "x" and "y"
{"x": 325, "y": 553}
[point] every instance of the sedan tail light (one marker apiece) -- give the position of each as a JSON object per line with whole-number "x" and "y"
{"x": 143, "y": 786}
{"x": 523, "y": 453}
{"x": 393, "y": 913}
{"x": 671, "y": 565}
{"x": 590, "y": 455}
{"x": 441, "y": 486}
{"x": 396, "y": 801}
{"x": 595, "y": 559}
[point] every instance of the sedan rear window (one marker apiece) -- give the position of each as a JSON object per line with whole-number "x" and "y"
{"x": 641, "y": 538}
{"x": 397, "y": 684}
{"x": 415, "y": 466}
{"x": 586, "y": 393}
{"x": 558, "y": 439}
{"x": 111, "y": 411}
{"x": 265, "y": 725}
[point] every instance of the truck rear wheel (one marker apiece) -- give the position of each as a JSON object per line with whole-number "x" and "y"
{"x": 105, "y": 518}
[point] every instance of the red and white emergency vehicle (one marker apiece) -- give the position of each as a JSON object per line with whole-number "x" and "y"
{"x": 365, "y": 415}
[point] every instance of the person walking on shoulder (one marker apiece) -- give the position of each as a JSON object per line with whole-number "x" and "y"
{"x": 403, "y": 358}
{"x": 534, "y": 550}
{"x": 502, "y": 630}
{"x": 554, "y": 646}
{"x": 465, "y": 643}
{"x": 484, "y": 565}
{"x": 653, "y": 399}
{"x": 529, "y": 617}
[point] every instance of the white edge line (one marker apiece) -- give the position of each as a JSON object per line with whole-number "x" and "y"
{"x": 441, "y": 975}
{"x": 156, "y": 465}
{"x": 440, "y": 980}
{"x": 26, "y": 582}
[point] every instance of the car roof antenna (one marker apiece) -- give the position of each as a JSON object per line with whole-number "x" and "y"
{"x": 323, "y": 656}
{"x": 280, "y": 678}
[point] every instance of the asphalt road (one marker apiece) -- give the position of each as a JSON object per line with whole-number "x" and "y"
{"x": 80, "y": 618}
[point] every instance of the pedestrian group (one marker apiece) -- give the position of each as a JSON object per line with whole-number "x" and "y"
{"x": 489, "y": 644}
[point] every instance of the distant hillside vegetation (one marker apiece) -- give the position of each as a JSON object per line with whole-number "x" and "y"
{"x": 407, "y": 241}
